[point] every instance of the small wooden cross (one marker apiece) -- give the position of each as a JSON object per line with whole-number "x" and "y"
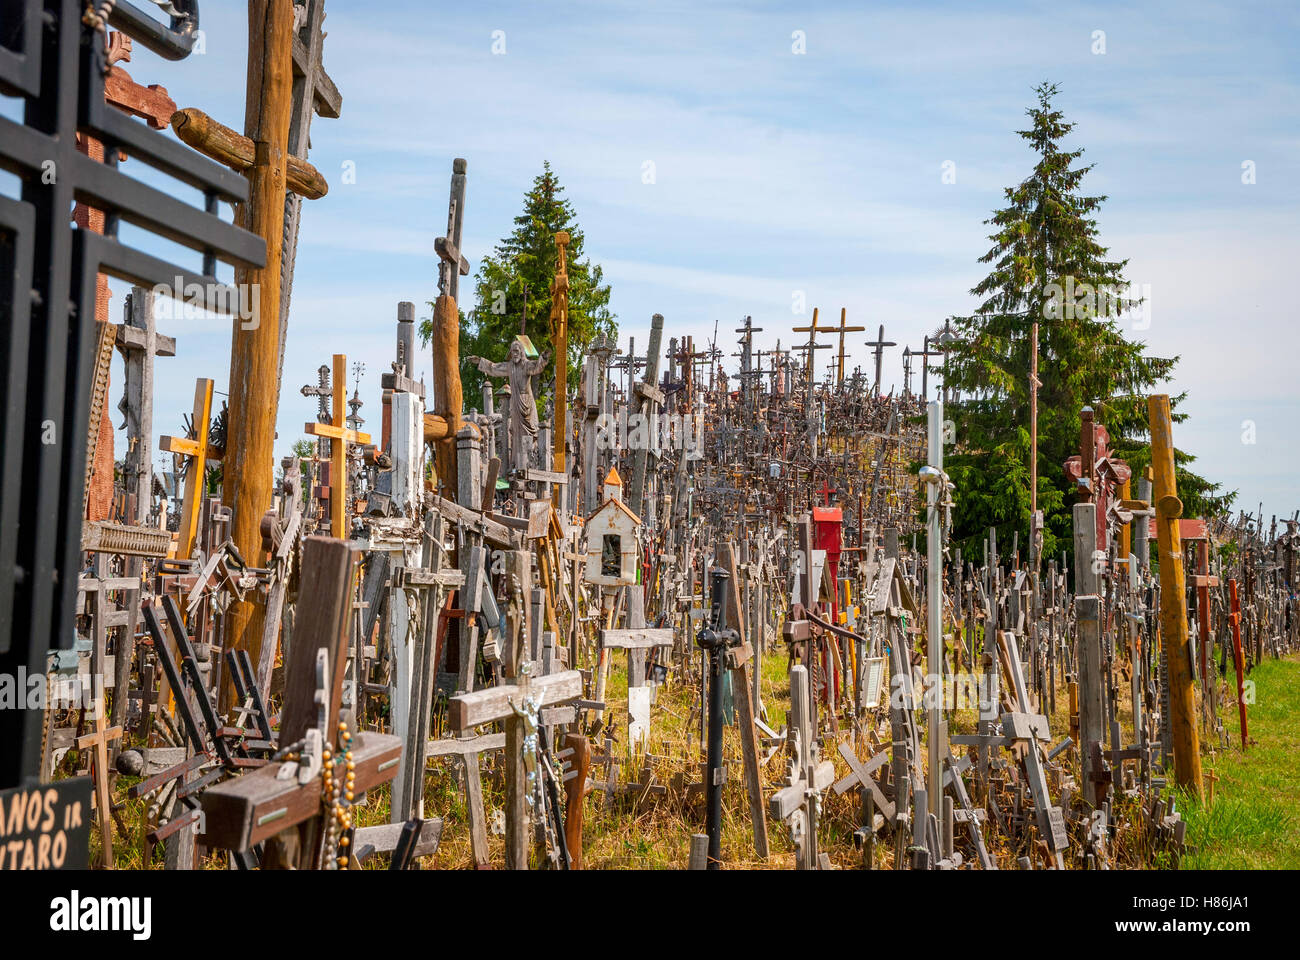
{"x": 99, "y": 769}
{"x": 200, "y": 452}
{"x": 339, "y": 436}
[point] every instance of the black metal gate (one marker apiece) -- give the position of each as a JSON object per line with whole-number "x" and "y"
{"x": 55, "y": 65}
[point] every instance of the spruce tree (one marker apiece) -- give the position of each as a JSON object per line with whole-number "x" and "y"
{"x": 1048, "y": 265}
{"x": 520, "y": 270}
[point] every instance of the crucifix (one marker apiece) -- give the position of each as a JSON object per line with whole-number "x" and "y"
{"x": 339, "y": 436}
{"x": 649, "y": 398}
{"x": 448, "y": 402}
{"x": 518, "y": 706}
{"x": 139, "y": 341}
{"x": 843, "y": 329}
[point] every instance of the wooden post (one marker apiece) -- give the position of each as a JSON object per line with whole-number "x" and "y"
{"x": 249, "y": 468}
{"x": 194, "y": 477}
{"x": 742, "y": 693}
{"x": 448, "y": 401}
{"x": 1173, "y": 598}
{"x": 339, "y": 454}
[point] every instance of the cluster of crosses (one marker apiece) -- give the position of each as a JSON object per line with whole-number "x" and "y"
{"x": 267, "y": 657}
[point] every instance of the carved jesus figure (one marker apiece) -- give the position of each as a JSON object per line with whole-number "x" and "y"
{"x": 522, "y": 424}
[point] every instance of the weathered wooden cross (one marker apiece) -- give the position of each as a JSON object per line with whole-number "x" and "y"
{"x": 518, "y": 706}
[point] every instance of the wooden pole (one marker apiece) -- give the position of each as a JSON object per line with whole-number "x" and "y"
{"x": 249, "y": 467}
{"x": 447, "y": 397}
{"x": 560, "y": 344}
{"x": 339, "y": 453}
{"x": 1173, "y": 598}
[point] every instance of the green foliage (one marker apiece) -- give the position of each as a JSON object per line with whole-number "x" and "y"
{"x": 1048, "y": 266}
{"x": 525, "y": 261}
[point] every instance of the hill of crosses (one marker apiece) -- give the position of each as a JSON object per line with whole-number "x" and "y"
{"x": 565, "y": 599}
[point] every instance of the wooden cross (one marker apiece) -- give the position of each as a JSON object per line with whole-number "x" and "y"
{"x": 99, "y": 740}
{"x": 812, "y": 330}
{"x": 878, "y": 348}
{"x": 636, "y": 642}
{"x": 843, "y": 330}
{"x": 923, "y": 353}
{"x": 560, "y": 344}
{"x": 339, "y": 437}
{"x": 139, "y": 342}
{"x": 313, "y": 93}
{"x": 518, "y": 706}
{"x": 467, "y": 750}
{"x": 200, "y": 452}
{"x": 262, "y": 153}
{"x": 282, "y": 800}
{"x": 448, "y": 400}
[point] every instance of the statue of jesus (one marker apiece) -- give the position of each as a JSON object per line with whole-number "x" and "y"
{"x": 522, "y": 422}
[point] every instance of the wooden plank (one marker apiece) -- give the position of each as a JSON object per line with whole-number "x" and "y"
{"x": 641, "y": 639}
{"x": 324, "y": 621}
{"x": 469, "y": 710}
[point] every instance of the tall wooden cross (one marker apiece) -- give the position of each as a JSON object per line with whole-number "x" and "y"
{"x": 339, "y": 436}
{"x": 99, "y": 740}
{"x": 878, "y": 348}
{"x": 812, "y": 330}
{"x": 843, "y": 329}
{"x": 262, "y": 154}
{"x": 448, "y": 402}
{"x": 560, "y": 344}
{"x": 313, "y": 93}
{"x": 153, "y": 105}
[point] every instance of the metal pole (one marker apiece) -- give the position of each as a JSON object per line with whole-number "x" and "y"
{"x": 713, "y": 640}
{"x": 934, "y": 590}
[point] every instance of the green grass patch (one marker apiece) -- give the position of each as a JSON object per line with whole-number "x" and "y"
{"x": 1254, "y": 821}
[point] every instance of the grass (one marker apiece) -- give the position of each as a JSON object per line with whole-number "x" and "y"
{"x": 1254, "y": 821}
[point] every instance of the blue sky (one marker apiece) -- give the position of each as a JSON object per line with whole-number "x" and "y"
{"x": 778, "y": 172}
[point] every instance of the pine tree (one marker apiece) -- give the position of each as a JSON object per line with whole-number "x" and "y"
{"x": 1049, "y": 266}
{"x": 520, "y": 270}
